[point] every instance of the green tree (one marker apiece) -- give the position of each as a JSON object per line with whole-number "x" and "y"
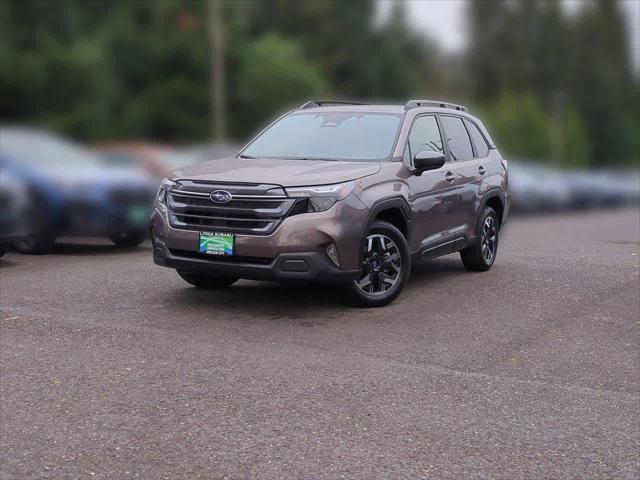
{"x": 524, "y": 129}
{"x": 520, "y": 126}
{"x": 274, "y": 74}
{"x": 534, "y": 48}
{"x": 335, "y": 34}
{"x": 141, "y": 69}
{"x": 95, "y": 70}
{"x": 603, "y": 85}
{"x": 393, "y": 49}
{"x": 574, "y": 148}
{"x": 488, "y": 57}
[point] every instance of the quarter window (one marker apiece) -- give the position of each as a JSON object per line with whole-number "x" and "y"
{"x": 482, "y": 149}
{"x": 425, "y": 135}
{"x": 457, "y": 138}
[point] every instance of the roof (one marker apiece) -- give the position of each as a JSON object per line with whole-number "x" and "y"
{"x": 397, "y": 109}
{"x": 421, "y": 105}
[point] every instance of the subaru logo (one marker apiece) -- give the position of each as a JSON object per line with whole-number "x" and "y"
{"x": 220, "y": 196}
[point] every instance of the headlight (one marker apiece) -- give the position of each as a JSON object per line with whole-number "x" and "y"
{"x": 162, "y": 191}
{"x": 322, "y": 197}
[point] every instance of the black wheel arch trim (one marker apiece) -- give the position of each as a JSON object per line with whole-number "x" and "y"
{"x": 495, "y": 192}
{"x": 397, "y": 202}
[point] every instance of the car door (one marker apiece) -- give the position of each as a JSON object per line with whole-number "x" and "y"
{"x": 432, "y": 195}
{"x": 465, "y": 168}
{"x": 481, "y": 168}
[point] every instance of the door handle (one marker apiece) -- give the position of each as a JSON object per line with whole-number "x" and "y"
{"x": 450, "y": 177}
{"x": 482, "y": 170}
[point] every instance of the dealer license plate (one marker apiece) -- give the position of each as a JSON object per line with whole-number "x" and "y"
{"x": 216, "y": 243}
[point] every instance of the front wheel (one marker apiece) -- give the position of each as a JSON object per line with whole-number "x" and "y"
{"x": 4, "y": 248}
{"x": 206, "y": 281}
{"x": 127, "y": 239}
{"x": 386, "y": 265}
{"x": 480, "y": 256}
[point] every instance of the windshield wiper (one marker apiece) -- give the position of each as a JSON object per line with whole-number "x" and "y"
{"x": 249, "y": 157}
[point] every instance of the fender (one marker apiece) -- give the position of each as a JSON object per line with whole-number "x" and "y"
{"x": 397, "y": 202}
{"x": 494, "y": 192}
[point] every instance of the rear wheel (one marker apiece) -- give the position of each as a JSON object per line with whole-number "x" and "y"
{"x": 480, "y": 256}
{"x": 128, "y": 239}
{"x": 206, "y": 281}
{"x": 385, "y": 267}
{"x": 35, "y": 243}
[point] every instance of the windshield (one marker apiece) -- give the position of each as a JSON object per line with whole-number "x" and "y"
{"x": 328, "y": 136}
{"x": 41, "y": 149}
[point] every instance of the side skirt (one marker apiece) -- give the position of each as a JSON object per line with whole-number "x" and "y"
{"x": 444, "y": 247}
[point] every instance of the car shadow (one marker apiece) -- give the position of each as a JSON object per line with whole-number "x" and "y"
{"x": 305, "y": 303}
{"x": 95, "y": 247}
{"x": 422, "y": 272}
{"x": 8, "y": 261}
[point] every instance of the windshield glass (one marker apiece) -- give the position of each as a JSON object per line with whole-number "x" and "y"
{"x": 40, "y": 149}
{"x": 328, "y": 136}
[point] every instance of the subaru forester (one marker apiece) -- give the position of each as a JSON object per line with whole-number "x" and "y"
{"x": 338, "y": 192}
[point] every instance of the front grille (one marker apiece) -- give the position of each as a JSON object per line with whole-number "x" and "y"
{"x": 254, "y": 209}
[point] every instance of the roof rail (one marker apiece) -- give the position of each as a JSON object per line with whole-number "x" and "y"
{"x": 322, "y": 103}
{"x": 433, "y": 103}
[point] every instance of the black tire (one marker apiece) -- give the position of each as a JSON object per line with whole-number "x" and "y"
{"x": 128, "y": 239}
{"x": 476, "y": 257}
{"x": 35, "y": 243}
{"x": 379, "y": 269}
{"x": 206, "y": 281}
{"x": 4, "y": 248}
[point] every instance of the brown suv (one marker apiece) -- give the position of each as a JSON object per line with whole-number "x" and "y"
{"x": 338, "y": 192}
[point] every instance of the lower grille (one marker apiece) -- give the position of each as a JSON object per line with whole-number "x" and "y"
{"x": 253, "y": 209}
{"x": 222, "y": 258}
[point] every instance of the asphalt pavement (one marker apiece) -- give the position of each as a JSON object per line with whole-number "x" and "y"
{"x": 114, "y": 368}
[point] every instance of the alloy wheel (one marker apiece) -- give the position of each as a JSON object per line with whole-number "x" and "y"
{"x": 381, "y": 266}
{"x": 489, "y": 240}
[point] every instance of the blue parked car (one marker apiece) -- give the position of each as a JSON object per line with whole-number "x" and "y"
{"x": 72, "y": 193}
{"x": 13, "y": 210}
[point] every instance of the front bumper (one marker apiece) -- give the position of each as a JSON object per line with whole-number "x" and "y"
{"x": 287, "y": 266}
{"x": 295, "y": 250}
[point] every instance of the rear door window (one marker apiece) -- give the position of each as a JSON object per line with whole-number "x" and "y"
{"x": 482, "y": 149}
{"x": 457, "y": 138}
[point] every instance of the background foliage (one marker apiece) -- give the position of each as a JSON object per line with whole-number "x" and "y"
{"x": 552, "y": 87}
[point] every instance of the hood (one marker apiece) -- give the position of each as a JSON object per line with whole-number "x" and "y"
{"x": 288, "y": 173}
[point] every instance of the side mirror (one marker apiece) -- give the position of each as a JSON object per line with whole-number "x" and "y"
{"x": 427, "y": 160}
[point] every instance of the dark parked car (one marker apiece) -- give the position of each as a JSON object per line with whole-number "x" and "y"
{"x": 338, "y": 192}
{"x": 13, "y": 211}
{"x": 71, "y": 192}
